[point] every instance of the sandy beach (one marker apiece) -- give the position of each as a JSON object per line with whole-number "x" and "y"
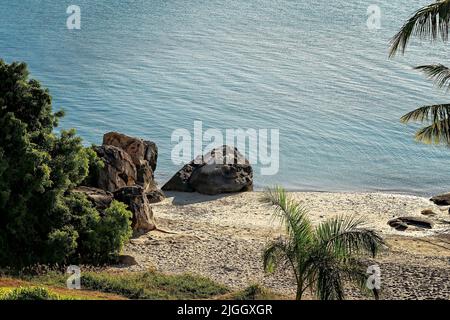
{"x": 222, "y": 237}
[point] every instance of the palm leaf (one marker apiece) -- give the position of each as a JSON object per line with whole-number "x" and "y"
{"x": 276, "y": 253}
{"x": 433, "y": 113}
{"x": 438, "y": 132}
{"x": 292, "y": 215}
{"x": 344, "y": 236}
{"x": 439, "y": 73}
{"x": 429, "y": 22}
{"x": 328, "y": 278}
{"x": 439, "y": 117}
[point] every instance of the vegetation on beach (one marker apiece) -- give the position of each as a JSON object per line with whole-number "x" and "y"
{"x": 322, "y": 258}
{"x": 40, "y": 220}
{"x": 428, "y": 23}
{"x": 124, "y": 285}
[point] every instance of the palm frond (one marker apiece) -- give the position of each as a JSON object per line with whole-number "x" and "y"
{"x": 276, "y": 253}
{"x": 432, "y": 113}
{"x": 344, "y": 236}
{"x": 292, "y": 215}
{"x": 439, "y": 117}
{"x": 429, "y": 22}
{"x": 329, "y": 284}
{"x": 436, "y": 133}
{"x": 439, "y": 73}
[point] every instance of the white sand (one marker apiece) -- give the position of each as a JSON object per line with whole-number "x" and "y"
{"x": 222, "y": 237}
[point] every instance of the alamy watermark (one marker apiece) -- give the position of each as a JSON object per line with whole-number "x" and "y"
{"x": 258, "y": 146}
{"x": 374, "y": 17}
{"x": 73, "y": 22}
{"x": 74, "y": 280}
{"x": 374, "y": 280}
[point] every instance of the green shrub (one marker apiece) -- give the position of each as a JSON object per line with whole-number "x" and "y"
{"x": 96, "y": 164}
{"x": 29, "y": 293}
{"x": 106, "y": 239}
{"x": 253, "y": 292}
{"x": 153, "y": 285}
{"x": 40, "y": 221}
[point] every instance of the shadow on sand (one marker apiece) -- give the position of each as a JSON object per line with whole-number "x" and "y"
{"x": 186, "y": 198}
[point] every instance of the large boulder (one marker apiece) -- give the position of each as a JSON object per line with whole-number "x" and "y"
{"x": 99, "y": 198}
{"x": 138, "y": 149}
{"x": 144, "y": 155}
{"x": 136, "y": 200}
{"x": 442, "y": 199}
{"x": 119, "y": 170}
{"x": 222, "y": 170}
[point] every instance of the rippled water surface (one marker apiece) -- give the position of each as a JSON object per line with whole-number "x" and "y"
{"x": 309, "y": 68}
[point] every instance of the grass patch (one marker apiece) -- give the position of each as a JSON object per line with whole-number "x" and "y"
{"x": 30, "y": 293}
{"x": 152, "y": 285}
{"x": 99, "y": 285}
{"x": 253, "y": 292}
{"x": 140, "y": 285}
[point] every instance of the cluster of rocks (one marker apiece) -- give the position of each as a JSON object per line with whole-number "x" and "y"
{"x": 128, "y": 177}
{"x": 222, "y": 170}
{"x": 402, "y": 223}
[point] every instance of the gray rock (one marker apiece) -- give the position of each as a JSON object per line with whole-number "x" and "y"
{"x": 138, "y": 149}
{"x": 136, "y": 200}
{"x": 411, "y": 221}
{"x": 398, "y": 225}
{"x": 127, "y": 260}
{"x": 222, "y": 170}
{"x": 155, "y": 196}
{"x": 428, "y": 212}
{"x": 119, "y": 170}
{"x": 442, "y": 199}
{"x": 99, "y": 198}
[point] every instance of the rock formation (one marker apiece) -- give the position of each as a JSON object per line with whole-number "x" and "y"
{"x": 136, "y": 200}
{"x": 222, "y": 170}
{"x": 128, "y": 177}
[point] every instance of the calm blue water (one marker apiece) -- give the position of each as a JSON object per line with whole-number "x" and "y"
{"x": 310, "y": 68}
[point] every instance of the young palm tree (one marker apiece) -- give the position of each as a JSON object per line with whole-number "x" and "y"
{"x": 321, "y": 257}
{"x": 428, "y": 23}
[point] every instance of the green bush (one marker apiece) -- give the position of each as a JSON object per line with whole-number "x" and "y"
{"x": 106, "y": 239}
{"x": 40, "y": 221}
{"x": 27, "y": 293}
{"x": 96, "y": 164}
{"x": 153, "y": 285}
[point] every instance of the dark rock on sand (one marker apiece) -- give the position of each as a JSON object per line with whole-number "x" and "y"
{"x": 428, "y": 212}
{"x": 442, "y": 199}
{"x": 398, "y": 225}
{"x": 136, "y": 200}
{"x": 222, "y": 170}
{"x": 127, "y": 260}
{"x": 400, "y": 222}
{"x": 155, "y": 196}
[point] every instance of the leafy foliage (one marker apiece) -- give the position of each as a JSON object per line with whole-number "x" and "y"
{"x": 29, "y": 293}
{"x": 152, "y": 285}
{"x": 40, "y": 221}
{"x": 321, "y": 257}
{"x": 428, "y": 23}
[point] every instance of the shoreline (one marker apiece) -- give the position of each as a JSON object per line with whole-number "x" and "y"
{"x": 258, "y": 188}
{"x": 222, "y": 237}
